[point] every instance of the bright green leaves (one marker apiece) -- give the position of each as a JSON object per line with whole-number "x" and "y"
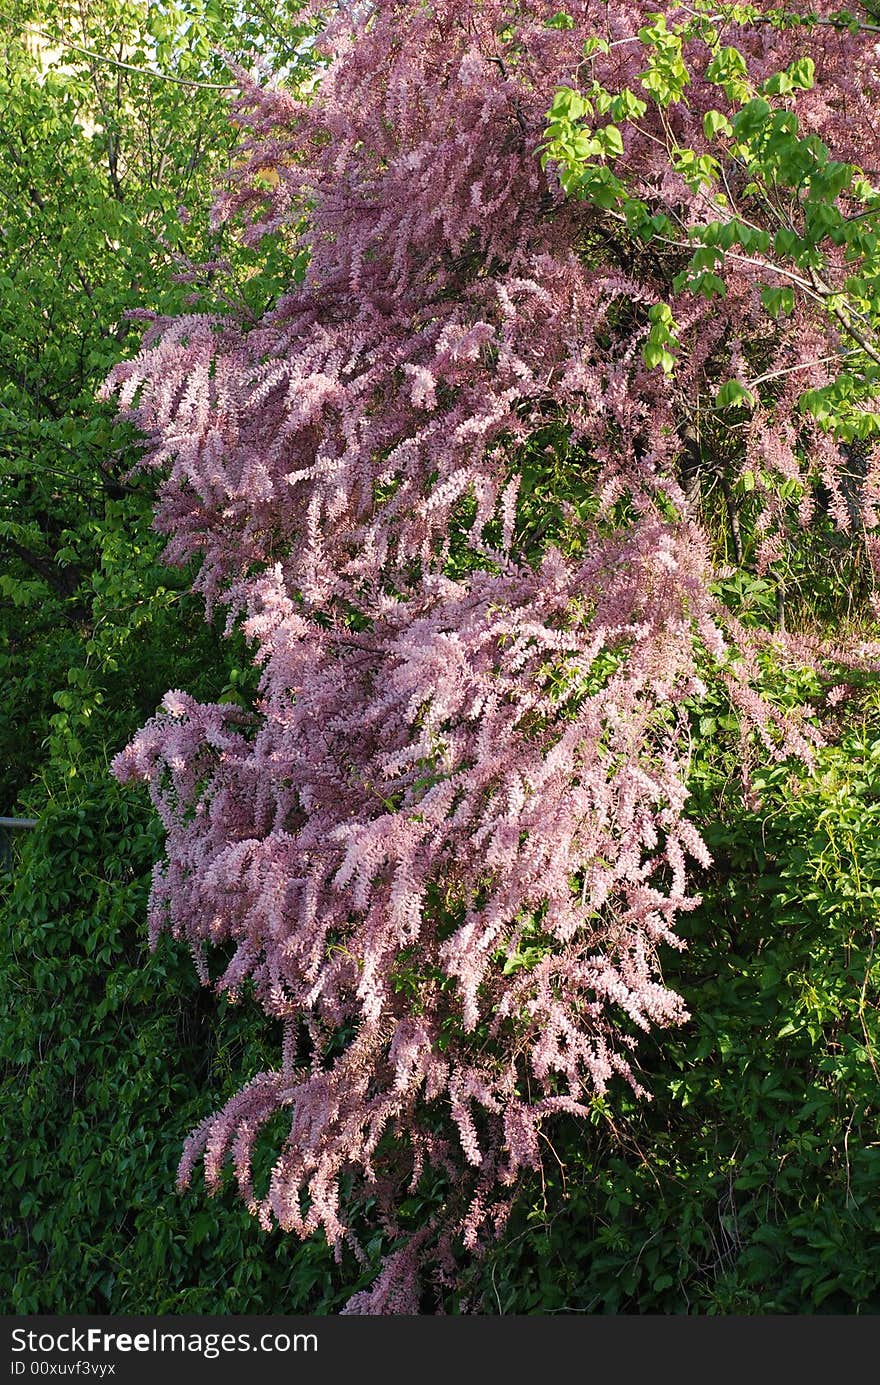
{"x": 580, "y": 152}
{"x": 560, "y": 20}
{"x": 734, "y": 395}
{"x": 800, "y": 76}
{"x": 610, "y": 141}
{"x": 728, "y": 70}
{"x": 715, "y": 123}
{"x": 785, "y": 206}
{"x": 750, "y": 119}
{"x": 697, "y": 170}
{"x": 839, "y": 407}
{"x": 666, "y": 75}
{"x": 594, "y": 44}
{"x": 778, "y": 302}
{"x": 627, "y": 106}
{"x": 569, "y": 105}
{"x": 662, "y": 341}
{"x": 566, "y": 136}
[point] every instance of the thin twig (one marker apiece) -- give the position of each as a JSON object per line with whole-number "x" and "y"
{"x": 140, "y": 71}
{"x": 802, "y": 365}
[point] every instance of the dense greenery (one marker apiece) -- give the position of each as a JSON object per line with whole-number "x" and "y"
{"x": 93, "y": 629}
{"x": 749, "y": 1184}
{"x": 96, "y": 161}
{"x": 746, "y": 1185}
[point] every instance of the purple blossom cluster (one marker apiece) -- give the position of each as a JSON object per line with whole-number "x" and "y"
{"x": 446, "y": 843}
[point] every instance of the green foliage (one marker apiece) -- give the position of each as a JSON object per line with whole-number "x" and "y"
{"x": 819, "y": 205}
{"x": 108, "y": 1055}
{"x": 95, "y": 161}
{"x": 749, "y": 1184}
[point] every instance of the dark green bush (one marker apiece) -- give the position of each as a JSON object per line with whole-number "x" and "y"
{"x": 749, "y": 1184}
{"x": 109, "y": 1056}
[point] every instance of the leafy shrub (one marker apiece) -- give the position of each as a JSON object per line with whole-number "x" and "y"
{"x": 749, "y": 1184}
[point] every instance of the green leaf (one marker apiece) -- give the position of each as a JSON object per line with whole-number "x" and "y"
{"x": 715, "y": 123}
{"x": 734, "y": 395}
{"x": 778, "y": 302}
{"x": 610, "y": 140}
{"x": 803, "y": 73}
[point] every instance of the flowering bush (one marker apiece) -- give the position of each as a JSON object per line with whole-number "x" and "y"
{"x": 452, "y": 486}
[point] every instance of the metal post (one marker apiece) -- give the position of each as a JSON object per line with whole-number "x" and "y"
{"x": 8, "y": 826}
